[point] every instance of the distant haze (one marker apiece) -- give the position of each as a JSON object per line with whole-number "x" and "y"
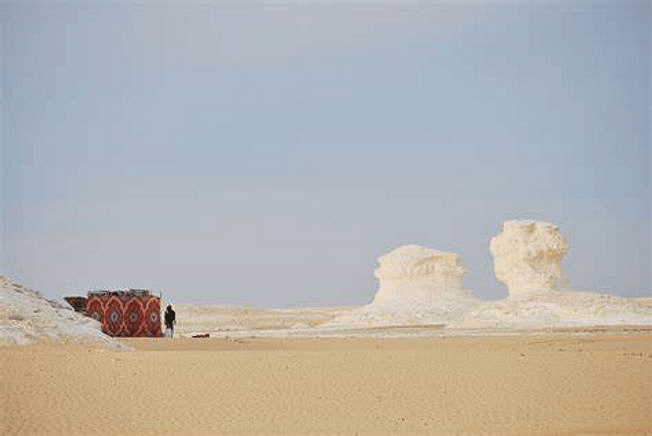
{"x": 269, "y": 153}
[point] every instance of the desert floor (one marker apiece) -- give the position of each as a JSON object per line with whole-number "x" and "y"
{"x": 597, "y": 383}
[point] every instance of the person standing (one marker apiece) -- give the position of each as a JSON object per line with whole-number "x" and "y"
{"x": 170, "y": 319}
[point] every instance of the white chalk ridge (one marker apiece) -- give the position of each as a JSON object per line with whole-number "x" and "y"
{"x": 27, "y": 318}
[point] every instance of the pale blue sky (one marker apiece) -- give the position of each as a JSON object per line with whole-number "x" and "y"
{"x": 268, "y": 153}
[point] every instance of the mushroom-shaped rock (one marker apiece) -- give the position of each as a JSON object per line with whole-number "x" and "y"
{"x": 413, "y": 273}
{"x": 527, "y": 257}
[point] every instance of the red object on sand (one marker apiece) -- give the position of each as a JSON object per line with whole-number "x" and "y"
{"x": 126, "y": 314}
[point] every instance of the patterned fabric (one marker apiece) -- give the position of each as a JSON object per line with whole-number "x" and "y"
{"x": 126, "y": 315}
{"x": 77, "y": 303}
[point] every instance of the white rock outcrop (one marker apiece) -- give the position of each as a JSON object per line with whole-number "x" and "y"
{"x": 26, "y": 317}
{"x": 527, "y": 257}
{"x": 412, "y": 273}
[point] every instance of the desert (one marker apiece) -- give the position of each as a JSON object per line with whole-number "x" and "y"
{"x": 325, "y": 217}
{"x": 536, "y": 364}
{"x": 424, "y": 357}
{"x": 581, "y": 382}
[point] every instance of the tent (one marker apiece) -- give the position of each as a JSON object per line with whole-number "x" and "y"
{"x": 133, "y": 313}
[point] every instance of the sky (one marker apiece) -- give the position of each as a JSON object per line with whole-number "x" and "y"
{"x": 267, "y": 153}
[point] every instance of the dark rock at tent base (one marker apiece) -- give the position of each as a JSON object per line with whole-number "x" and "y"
{"x": 77, "y": 303}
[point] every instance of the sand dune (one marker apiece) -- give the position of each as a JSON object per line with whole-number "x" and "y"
{"x": 554, "y": 384}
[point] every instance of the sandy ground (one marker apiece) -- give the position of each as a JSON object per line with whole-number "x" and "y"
{"x": 554, "y": 384}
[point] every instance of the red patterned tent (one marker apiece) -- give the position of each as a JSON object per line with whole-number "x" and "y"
{"x": 130, "y": 313}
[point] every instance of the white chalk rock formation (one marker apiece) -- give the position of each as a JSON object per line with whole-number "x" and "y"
{"x": 527, "y": 257}
{"x": 26, "y": 317}
{"x": 412, "y": 273}
{"x": 418, "y": 287}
